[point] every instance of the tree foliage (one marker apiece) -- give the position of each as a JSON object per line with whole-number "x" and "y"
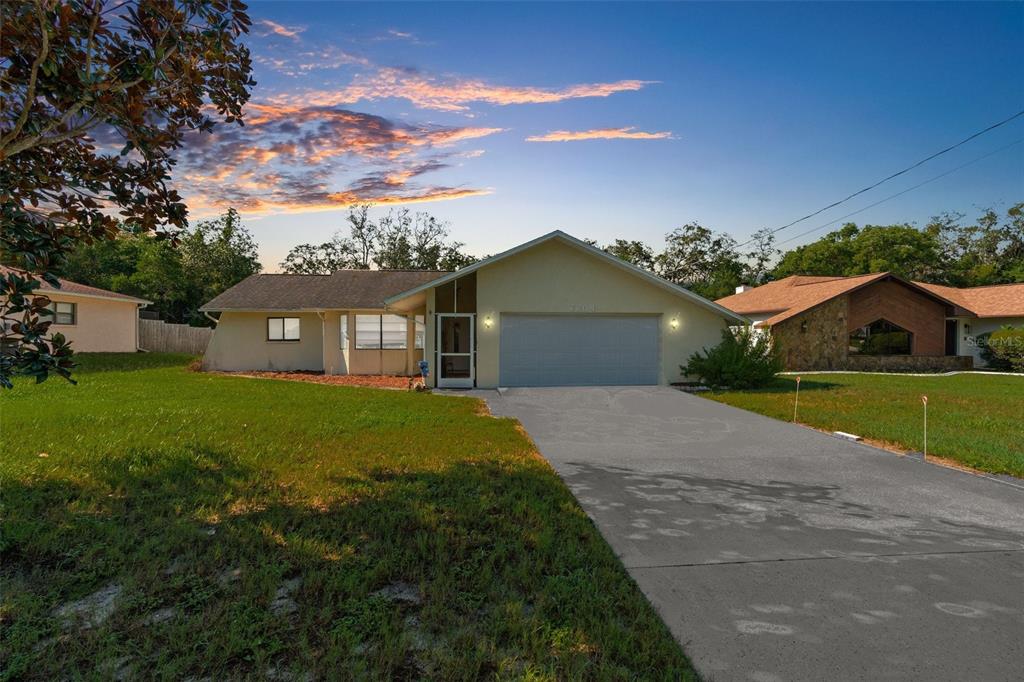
{"x": 399, "y": 240}
{"x": 138, "y": 75}
{"x": 209, "y": 258}
{"x": 703, "y": 261}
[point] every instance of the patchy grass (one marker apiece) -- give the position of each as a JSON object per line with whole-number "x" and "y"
{"x": 973, "y": 419}
{"x": 166, "y": 524}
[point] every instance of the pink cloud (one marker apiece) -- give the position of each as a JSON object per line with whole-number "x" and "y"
{"x": 277, "y": 29}
{"x": 428, "y": 92}
{"x": 629, "y": 133}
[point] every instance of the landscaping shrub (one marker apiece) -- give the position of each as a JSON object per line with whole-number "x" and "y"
{"x": 744, "y": 359}
{"x": 1006, "y": 348}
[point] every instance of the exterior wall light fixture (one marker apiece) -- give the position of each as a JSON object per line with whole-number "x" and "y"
{"x": 488, "y": 322}
{"x": 674, "y": 323}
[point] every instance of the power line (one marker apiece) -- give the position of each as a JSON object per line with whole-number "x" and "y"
{"x": 909, "y": 189}
{"x": 895, "y": 175}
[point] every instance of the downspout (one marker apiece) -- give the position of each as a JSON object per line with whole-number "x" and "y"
{"x": 323, "y": 339}
{"x": 211, "y": 318}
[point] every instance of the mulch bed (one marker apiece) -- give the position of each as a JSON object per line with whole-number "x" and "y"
{"x": 363, "y": 380}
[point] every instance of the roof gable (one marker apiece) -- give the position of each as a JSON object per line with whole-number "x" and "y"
{"x": 799, "y": 293}
{"x": 586, "y": 248}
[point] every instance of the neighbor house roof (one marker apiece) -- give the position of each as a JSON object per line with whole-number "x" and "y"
{"x": 75, "y": 289}
{"x": 343, "y": 290}
{"x": 999, "y": 300}
{"x": 798, "y": 293}
{"x": 582, "y": 245}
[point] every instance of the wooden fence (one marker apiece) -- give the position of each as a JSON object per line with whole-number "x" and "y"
{"x": 164, "y": 337}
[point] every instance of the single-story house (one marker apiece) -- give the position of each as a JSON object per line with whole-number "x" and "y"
{"x": 877, "y": 321}
{"x": 94, "y": 320}
{"x": 554, "y": 311}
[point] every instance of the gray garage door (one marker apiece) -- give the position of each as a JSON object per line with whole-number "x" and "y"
{"x": 578, "y": 350}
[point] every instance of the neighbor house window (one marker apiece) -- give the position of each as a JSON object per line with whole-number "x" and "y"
{"x": 381, "y": 331}
{"x": 881, "y": 337}
{"x": 421, "y": 332}
{"x": 282, "y": 329}
{"x": 64, "y": 313}
{"x": 344, "y": 331}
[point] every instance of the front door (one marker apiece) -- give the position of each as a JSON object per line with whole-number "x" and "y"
{"x": 951, "y": 335}
{"x": 456, "y": 342}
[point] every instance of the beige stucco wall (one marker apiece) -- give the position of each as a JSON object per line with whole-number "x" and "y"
{"x": 553, "y": 278}
{"x": 101, "y": 325}
{"x": 240, "y": 343}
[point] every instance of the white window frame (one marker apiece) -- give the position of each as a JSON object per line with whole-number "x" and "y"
{"x": 55, "y": 308}
{"x": 420, "y": 334}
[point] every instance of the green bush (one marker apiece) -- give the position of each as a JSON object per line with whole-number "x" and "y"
{"x": 743, "y": 359}
{"x": 1006, "y": 347}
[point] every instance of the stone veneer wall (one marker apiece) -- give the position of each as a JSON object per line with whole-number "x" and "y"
{"x": 816, "y": 339}
{"x": 909, "y": 363}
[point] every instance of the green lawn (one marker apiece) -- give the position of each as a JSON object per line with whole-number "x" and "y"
{"x": 253, "y": 528}
{"x": 974, "y": 419}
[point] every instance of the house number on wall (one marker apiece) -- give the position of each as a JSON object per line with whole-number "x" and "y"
{"x": 582, "y": 308}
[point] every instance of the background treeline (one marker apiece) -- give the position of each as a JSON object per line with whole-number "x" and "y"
{"x": 177, "y": 274}
{"x": 180, "y": 275}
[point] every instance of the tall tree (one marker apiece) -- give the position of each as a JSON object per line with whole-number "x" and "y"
{"x": 900, "y": 249}
{"x": 633, "y": 251}
{"x": 700, "y": 260}
{"x": 218, "y": 254}
{"x": 762, "y": 252}
{"x": 323, "y": 259}
{"x": 177, "y": 275}
{"x": 145, "y": 73}
{"x": 363, "y": 232}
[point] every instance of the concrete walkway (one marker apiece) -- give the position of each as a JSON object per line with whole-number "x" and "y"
{"x": 774, "y": 552}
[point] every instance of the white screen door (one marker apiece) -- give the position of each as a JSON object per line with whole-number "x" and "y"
{"x": 455, "y": 345}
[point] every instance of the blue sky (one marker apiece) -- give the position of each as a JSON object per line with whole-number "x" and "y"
{"x": 738, "y": 116}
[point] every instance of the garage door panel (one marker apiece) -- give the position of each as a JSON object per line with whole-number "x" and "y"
{"x": 579, "y": 350}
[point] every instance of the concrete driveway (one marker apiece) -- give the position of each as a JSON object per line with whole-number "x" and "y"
{"x": 774, "y": 552}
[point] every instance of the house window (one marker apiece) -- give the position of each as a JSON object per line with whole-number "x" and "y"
{"x": 64, "y": 313}
{"x": 381, "y": 331}
{"x": 344, "y": 331}
{"x": 881, "y": 337}
{"x": 367, "y": 331}
{"x": 421, "y": 332}
{"x": 282, "y": 329}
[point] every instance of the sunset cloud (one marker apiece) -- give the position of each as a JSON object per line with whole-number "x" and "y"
{"x": 274, "y": 28}
{"x": 290, "y": 157}
{"x": 629, "y": 133}
{"x": 454, "y": 94}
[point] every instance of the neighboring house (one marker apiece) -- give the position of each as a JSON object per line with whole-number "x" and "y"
{"x": 554, "y": 311}
{"x": 94, "y": 320}
{"x": 877, "y": 321}
{"x": 990, "y": 308}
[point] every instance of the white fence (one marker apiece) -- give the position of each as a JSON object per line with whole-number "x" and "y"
{"x": 163, "y": 337}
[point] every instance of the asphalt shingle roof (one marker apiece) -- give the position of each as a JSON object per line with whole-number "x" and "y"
{"x": 798, "y": 293}
{"x": 343, "y": 290}
{"x": 999, "y": 300}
